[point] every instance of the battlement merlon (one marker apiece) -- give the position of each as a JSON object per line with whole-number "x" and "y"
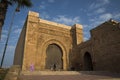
{"x": 77, "y": 30}
{"x": 35, "y": 14}
{"x": 33, "y": 17}
{"x": 78, "y": 26}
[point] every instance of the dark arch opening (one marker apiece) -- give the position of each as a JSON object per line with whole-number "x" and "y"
{"x": 54, "y": 57}
{"x": 88, "y": 66}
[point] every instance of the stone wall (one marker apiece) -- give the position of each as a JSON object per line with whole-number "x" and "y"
{"x": 104, "y": 47}
{"x": 107, "y": 46}
{"x": 20, "y": 47}
{"x": 13, "y": 73}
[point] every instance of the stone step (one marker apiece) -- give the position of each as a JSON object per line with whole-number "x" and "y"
{"x": 102, "y": 73}
{"x": 67, "y": 73}
{"x": 50, "y": 73}
{"x": 95, "y": 72}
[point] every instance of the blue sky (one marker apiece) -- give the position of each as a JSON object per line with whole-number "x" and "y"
{"x": 88, "y": 13}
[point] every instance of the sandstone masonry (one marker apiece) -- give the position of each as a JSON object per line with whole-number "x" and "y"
{"x": 37, "y": 34}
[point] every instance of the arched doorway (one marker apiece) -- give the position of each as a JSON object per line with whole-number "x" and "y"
{"x": 88, "y": 66}
{"x": 54, "y": 57}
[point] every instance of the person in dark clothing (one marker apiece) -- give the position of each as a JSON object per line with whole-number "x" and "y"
{"x": 54, "y": 67}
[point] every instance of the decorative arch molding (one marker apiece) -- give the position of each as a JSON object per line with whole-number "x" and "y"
{"x": 61, "y": 45}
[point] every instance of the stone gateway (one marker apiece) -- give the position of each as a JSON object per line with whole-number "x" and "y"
{"x": 52, "y": 46}
{"x": 46, "y": 44}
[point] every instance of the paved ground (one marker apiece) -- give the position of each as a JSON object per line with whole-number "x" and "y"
{"x": 81, "y": 76}
{"x": 62, "y": 77}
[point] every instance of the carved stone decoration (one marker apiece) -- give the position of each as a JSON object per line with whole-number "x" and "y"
{"x": 32, "y": 34}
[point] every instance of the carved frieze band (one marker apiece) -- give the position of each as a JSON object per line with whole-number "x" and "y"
{"x": 54, "y": 32}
